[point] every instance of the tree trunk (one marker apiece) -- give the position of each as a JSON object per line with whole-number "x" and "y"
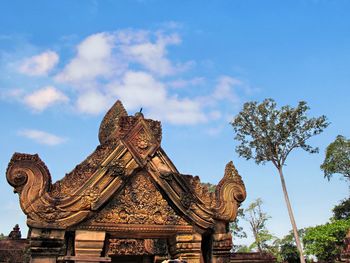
{"x": 291, "y": 216}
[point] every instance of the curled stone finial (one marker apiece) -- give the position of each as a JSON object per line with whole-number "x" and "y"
{"x": 232, "y": 173}
{"x": 230, "y": 192}
{"x": 109, "y": 125}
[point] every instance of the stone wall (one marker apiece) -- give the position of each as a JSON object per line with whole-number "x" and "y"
{"x": 252, "y": 257}
{"x": 13, "y": 250}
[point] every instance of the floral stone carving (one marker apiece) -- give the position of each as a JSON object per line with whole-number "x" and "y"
{"x": 139, "y": 203}
{"x": 137, "y": 247}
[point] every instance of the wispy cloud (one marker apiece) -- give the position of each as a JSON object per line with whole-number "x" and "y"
{"x": 39, "y": 65}
{"x": 140, "y": 89}
{"x": 224, "y": 89}
{"x": 93, "y": 60}
{"x": 134, "y": 66}
{"x": 183, "y": 83}
{"x": 152, "y": 55}
{"x": 42, "y": 137}
{"x": 93, "y": 102}
{"x": 45, "y": 97}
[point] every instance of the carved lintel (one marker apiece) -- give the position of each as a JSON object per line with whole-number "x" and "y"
{"x": 121, "y": 247}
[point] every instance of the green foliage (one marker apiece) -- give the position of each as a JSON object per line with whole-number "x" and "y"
{"x": 342, "y": 211}
{"x": 337, "y": 159}
{"x": 288, "y": 250}
{"x": 236, "y": 230}
{"x": 326, "y": 241}
{"x": 257, "y": 220}
{"x": 242, "y": 249}
{"x": 269, "y": 134}
{"x": 2, "y": 236}
{"x": 289, "y": 253}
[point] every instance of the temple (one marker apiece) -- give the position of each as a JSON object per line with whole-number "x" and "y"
{"x": 126, "y": 202}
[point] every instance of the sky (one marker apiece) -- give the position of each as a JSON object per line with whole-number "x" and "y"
{"x": 190, "y": 64}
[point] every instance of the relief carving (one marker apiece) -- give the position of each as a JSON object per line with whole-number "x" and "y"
{"x": 116, "y": 168}
{"x": 120, "y": 247}
{"x": 90, "y": 197}
{"x": 141, "y": 142}
{"x": 139, "y": 203}
{"x": 109, "y": 125}
{"x": 82, "y": 172}
{"x": 201, "y": 190}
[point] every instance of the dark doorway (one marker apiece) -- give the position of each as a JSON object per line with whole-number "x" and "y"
{"x": 206, "y": 247}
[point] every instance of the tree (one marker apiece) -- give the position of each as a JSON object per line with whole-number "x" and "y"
{"x": 236, "y": 230}
{"x": 267, "y": 134}
{"x": 326, "y": 241}
{"x": 242, "y": 249}
{"x": 257, "y": 220}
{"x": 342, "y": 211}
{"x": 287, "y": 248}
{"x": 337, "y": 159}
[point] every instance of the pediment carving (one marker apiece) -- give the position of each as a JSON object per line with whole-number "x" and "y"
{"x": 140, "y": 202}
{"x": 128, "y": 180}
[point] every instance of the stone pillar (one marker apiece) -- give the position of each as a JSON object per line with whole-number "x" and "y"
{"x": 88, "y": 245}
{"x": 46, "y": 245}
{"x": 222, "y": 245}
{"x": 186, "y": 247}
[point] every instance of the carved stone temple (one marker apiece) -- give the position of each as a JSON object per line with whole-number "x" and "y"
{"x": 126, "y": 202}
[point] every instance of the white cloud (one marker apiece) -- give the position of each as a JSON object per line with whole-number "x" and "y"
{"x": 214, "y": 115}
{"x": 181, "y": 83}
{"x": 39, "y": 65}
{"x": 141, "y": 89}
{"x": 180, "y": 112}
{"x": 152, "y": 55}
{"x": 224, "y": 89}
{"x": 44, "y": 97}
{"x": 130, "y": 36}
{"x": 93, "y": 60}
{"x": 134, "y": 66}
{"x": 42, "y": 137}
{"x": 93, "y": 102}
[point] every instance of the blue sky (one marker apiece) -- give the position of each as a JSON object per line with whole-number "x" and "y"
{"x": 190, "y": 64}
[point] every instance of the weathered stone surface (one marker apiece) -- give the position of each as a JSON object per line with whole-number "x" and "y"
{"x": 127, "y": 193}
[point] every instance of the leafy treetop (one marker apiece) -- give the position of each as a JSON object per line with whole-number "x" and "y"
{"x": 326, "y": 241}
{"x": 337, "y": 158}
{"x": 269, "y": 134}
{"x": 342, "y": 210}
